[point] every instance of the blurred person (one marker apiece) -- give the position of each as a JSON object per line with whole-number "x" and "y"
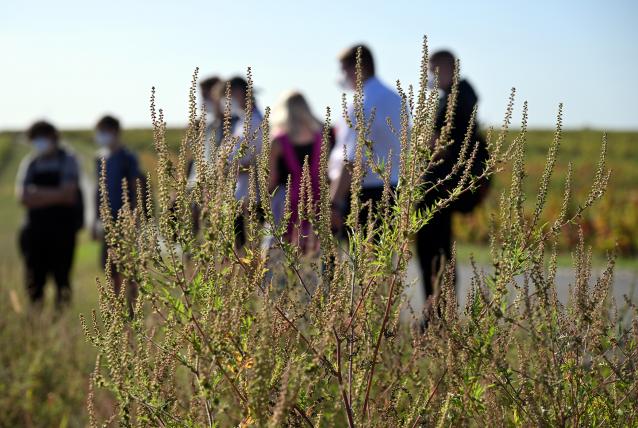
{"x": 206, "y": 91}
{"x": 214, "y": 133}
{"x": 214, "y": 118}
{"x": 120, "y": 164}
{"x": 297, "y": 136}
{"x": 217, "y": 96}
{"x": 434, "y": 240}
{"x": 47, "y": 184}
{"x": 238, "y": 105}
{"x": 387, "y": 104}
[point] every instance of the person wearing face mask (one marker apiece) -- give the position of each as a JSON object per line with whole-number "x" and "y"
{"x": 212, "y": 93}
{"x": 47, "y": 185}
{"x": 206, "y": 93}
{"x": 238, "y": 106}
{"x": 434, "y": 240}
{"x": 119, "y": 164}
{"x": 214, "y": 119}
{"x": 385, "y": 144}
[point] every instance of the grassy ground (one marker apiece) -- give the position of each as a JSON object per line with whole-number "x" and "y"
{"x": 45, "y": 362}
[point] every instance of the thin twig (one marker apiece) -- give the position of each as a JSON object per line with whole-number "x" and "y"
{"x": 386, "y": 315}
{"x": 344, "y": 395}
{"x": 436, "y": 387}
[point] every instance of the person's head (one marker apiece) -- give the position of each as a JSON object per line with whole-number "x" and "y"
{"x": 238, "y": 95}
{"x": 107, "y": 132}
{"x": 293, "y": 115}
{"x": 445, "y": 62}
{"x": 217, "y": 94}
{"x": 43, "y": 137}
{"x": 206, "y": 85}
{"x": 348, "y": 60}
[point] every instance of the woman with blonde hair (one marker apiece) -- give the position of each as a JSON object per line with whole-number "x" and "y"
{"x": 297, "y": 137}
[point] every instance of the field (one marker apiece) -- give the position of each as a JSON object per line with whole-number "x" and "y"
{"x": 45, "y": 361}
{"x": 611, "y": 225}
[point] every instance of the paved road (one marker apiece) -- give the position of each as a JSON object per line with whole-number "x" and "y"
{"x": 625, "y": 283}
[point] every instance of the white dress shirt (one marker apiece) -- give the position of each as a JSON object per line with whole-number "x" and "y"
{"x": 238, "y": 131}
{"x": 387, "y": 104}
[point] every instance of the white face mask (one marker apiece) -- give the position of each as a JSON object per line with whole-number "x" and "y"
{"x": 42, "y": 145}
{"x": 210, "y": 108}
{"x": 104, "y": 139}
{"x": 342, "y": 82}
{"x": 236, "y": 110}
{"x": 430, "y": 80}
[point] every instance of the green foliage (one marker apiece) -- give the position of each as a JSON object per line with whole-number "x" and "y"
{"x": 272, "y": 336}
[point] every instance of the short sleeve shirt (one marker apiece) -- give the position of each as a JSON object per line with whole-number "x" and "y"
{"x": 120, "y": 164}
{"x": 65, "y": 164}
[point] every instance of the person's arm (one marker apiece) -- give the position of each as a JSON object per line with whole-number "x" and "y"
{"x": 275, "y": 153}
{"x": 339, "y": 187}
{"x": 23, "y": 178}
{"x": 134, "y": 174}
{"x": 39, "y": 197}
{"x": 342, "y": 153}
{"x": 255, "y": 128}
{"x": 340, "y": 173}
{"x": 66, "y": 194}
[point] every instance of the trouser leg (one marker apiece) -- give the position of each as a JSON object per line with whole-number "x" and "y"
{"x": 62, "y": 267}
{"x": 240, "y": 232}
{"x": 433, "y": 242}
{"x": 35, "y": 264}
{"x": 36, "y": 275}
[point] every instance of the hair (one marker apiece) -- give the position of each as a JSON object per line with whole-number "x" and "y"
{"x": 348, "y": 58}
{"x": 293, "y": 113}
{"x": 238, "y": 83}
{"x": 443, "y": 56}
{"x": 43, "y": 129}
{"x": 218, "y": 90}
{"x": 110, "y": 123}
{"x": 207, "y": 84}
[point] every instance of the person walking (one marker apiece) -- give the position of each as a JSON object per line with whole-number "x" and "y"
{"x": 434, "y": 240}
{"x": 385, "y": 144}
{"x": 239, "y": 102}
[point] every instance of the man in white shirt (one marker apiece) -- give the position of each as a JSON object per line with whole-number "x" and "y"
{"x": 239, "y": 101}
{"x": 214, "y": 120}
{"x": 387, "y": 104}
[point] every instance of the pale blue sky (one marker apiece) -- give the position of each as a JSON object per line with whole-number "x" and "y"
{"x": 71, "y": 61}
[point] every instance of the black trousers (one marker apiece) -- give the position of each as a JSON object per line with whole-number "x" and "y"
{"x": 434, "y": 248}
{"x": 374, "y": 195}
{"x": 48, "y": 251}
{"x": 240, "y": 226}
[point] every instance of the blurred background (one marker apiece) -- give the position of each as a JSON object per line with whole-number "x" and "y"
{"x": 70, "y": 62}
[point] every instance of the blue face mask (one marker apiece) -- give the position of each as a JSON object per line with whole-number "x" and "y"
{"x": 42, "y": 145}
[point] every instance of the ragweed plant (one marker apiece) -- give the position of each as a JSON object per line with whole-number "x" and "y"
{"x": 269, "y": 335}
